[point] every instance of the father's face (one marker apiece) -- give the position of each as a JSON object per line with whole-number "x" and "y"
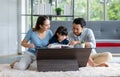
{"x": 77, "y": 29}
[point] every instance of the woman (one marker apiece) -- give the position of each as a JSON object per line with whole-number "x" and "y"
{"x": 80, "y": 33}
{"x": 35, "y": 37}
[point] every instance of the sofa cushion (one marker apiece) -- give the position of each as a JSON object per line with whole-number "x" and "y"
{"x": 107, "y": 43}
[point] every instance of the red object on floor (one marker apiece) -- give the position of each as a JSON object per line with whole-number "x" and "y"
{"x": 106, "y": 44}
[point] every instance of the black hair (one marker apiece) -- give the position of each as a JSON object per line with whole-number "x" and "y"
{"x": 61, "y": 30}
{"x": 80, "y": 21}
{"x": 40, "y": 21}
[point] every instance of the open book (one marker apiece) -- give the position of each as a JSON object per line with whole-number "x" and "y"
{"x": 56, "y": 45}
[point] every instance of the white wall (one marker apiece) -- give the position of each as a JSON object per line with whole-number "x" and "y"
{"x": 8, "y": 27}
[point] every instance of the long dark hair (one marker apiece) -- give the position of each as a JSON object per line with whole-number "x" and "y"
{"x": 40, "y": 21}
{"x": 61, "y": 30}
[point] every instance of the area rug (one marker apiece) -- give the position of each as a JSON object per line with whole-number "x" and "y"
{"x": 112, "y": 70}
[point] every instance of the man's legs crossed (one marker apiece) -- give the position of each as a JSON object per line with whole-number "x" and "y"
{"x": 100, "y": 58}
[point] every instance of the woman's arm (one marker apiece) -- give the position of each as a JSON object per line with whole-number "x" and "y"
{"x": 24, "y": 43}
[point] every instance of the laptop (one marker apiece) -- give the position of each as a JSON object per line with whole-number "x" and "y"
{"x": 62, "y": 59}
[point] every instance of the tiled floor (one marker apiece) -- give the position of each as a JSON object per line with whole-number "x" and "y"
{"x": 10, "y": 59}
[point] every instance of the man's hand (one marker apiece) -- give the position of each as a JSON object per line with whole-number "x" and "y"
{"x": 87, "y": 45}
{"x": 74, "y": 42}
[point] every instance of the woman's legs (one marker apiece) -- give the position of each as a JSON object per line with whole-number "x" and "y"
{"x": 100, "y": 59}
{"x": 24, "y": 62}
{"x": 12, "y": 64}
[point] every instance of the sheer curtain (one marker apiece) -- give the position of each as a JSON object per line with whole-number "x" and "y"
{"x": 8, "y": 27}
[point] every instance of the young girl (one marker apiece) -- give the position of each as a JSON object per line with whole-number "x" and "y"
{"x": 38, "y": 36}
{"x": 60, "y": 36}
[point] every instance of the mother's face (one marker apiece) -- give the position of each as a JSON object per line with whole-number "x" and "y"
{"x": 77, "y": 29}
{"x": 46, "y": 25}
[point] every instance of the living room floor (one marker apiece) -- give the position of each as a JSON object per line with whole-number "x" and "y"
{"x": 9, "y": 59}
{"x": 12, "y": 58}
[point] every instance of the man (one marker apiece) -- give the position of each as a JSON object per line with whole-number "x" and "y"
{"x": 78, "y": 34}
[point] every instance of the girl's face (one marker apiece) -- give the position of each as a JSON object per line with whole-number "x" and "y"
{"x": 77, "y": 29}
{"x": 46, "y": 25}
{"x": 61, "y": 37}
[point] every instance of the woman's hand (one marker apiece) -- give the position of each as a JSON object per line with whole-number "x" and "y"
{"x": 31, "y": 46}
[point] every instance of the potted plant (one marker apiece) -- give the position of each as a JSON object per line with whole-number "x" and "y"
{"x": 58, "y": 11}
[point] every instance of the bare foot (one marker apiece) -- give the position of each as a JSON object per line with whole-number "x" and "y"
{"x": 102, "y": 65}
{"x": 12, "y": 64}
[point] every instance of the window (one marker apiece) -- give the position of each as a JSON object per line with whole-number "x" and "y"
{"x": 96, "y": 10}
{"x": 80, "y": 8}
{"x": 91, "y": 10}
{"x": 113, "y": 10}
